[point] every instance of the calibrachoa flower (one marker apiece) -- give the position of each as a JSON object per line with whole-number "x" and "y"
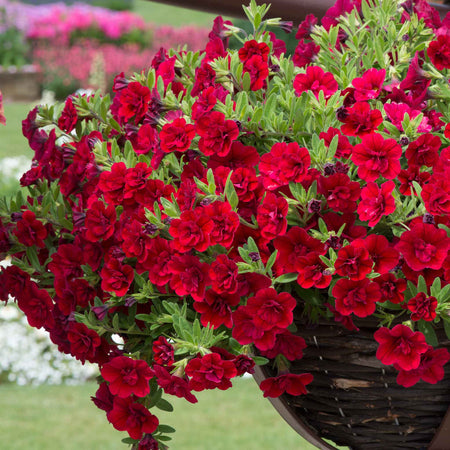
{"x": 224, "y": 203}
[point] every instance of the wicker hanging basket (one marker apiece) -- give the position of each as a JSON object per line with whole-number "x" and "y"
{"x": 354, "y": 400}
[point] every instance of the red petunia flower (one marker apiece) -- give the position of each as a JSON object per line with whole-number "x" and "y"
{"x": 293, "y": 384}
{"x": 410, "y": 174}
{"x": 163, "y": 352}
{"x": 176, "y": 136}
{"x": 356, "y": 296}
{"x": 354, "y": 261}
{"x": 436, "y": 195}
{"x": 344, "y": 148}
{"x": 216, "y": 134}
{"x": 340, "y": 192}
{"x": 369, "y": 85}
{"x": 376, "y": 202}
{"x": 423, "y": 307}
{"x": 132, "y": 417}
{"x": 258, "y": 69}
{"x": 439, "y": 52}
{"x": 30, "y": 231}
{"x": 224, "y": 223}
{"x": 224, "y": 275}
{"x": 287, "y": 344}
{"x": 173, "y": 384}
{"x": 400, "y": 346}
{"x": 210, "y": 372}
{"x": 305, "y": 53}
{"x": 391, "y": 287}
{"x": 315, "y": 80}
{"x": 116, "y": 277}
{"x": 424, "y": 151}
{"x": 430, "y": 370}
{"x": 424, "y": 246}
{"x": 68, "y": 118}
{"x": 312, "y": 272}
{"x": 132, "y": 101}
{"x": 376, "y": 157}
{"x": 100, "y": 221}
{"x": 127, "y": 376}
{"x": 253, "y": 47}
{"x": 360, "y": 120}
{"x": 382, "y": 253}
{"x": 271, "y": 216}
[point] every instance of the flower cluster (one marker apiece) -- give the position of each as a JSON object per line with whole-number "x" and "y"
{"x": 222, "y": 192}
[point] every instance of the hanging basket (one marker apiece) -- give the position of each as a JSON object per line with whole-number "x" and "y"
{"x": 354, "y": 400}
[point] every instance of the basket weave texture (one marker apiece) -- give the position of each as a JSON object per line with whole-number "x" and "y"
{"x": 354, "y": 400}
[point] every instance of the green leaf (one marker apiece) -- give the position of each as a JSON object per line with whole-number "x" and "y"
{"x": 447, "y": 327}
{"x": 427, "y": 329}
{"x": 260, "y": 360}
{"x": 422, "y": 285}
{"x": 164, "y": 405}
{"x": 286, "y": 278}
{"x": 166, "y": 429}
{"x": 230, "y": 193}
{"x": 246, "y": 81}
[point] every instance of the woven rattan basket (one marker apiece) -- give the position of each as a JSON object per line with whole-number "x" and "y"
{"x": 355, "y": 401}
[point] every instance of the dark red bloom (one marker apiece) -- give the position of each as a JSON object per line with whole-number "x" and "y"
{"x": 430, "y": 370}
{"x": 315, "y": 80}
{"x": 103, "y": 398}
{"x": 354, "y": 261}
{"x": 159, "y": 253}
{"x": 293, "y": 384}
{"x": 340, "y": 192}
{"x": 410, "y": 174}
{"x": 132, "y": 101}
{"x": 253, "y": 47}
{"x": 423, "y": 307}
{"x": 305, "y": 53}
{"x": 37, "y": 305}
{"x": 400, "y": 346}
{"x": 356, "y": 296}
{"x": 424, "y": 150}
{"x": 376, "y": 157}
{"x": 30, "y": 231}
{"x": 116, "y": 277}
{"x": 127, "y": 376}
{"x": 287, "y": 344}
{"x": 439, "y": 52}
{"x": 376, "y": 202}
{"x": 384, "y": 256}
{"x": 189, "y": 276}
{"x": 215, "y": 309}
{"x": 163, "y": 352}
{"x": 210, "y": 372}
{"x": 132, "y": 417}
{"x": 436, "y": 195}
{"x": 69, "y": 117}
{"x": 305, "y": 28}
{"x": 112, "y": 182}
{"x": 176, "y": 136}
{"x": 216, "y": 134}
{"x": 100, "y": 221}
{"x": 312, "y": 272}
{"x": 360, "y": 120}
{"x": 84, "y": 342}
{"x": 344, "y": 148}
{"x": 424, "y": 246}
{"x": 224, "y": 275}
{"x": 271, "y": 216}
{"x": 173, "y": 384}
{"x": 224, "y": 223}
{"x": 392, "y": 288}
{"x": 284, "y": 163}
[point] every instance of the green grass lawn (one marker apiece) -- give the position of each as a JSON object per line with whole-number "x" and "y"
{"x": 161, "y": 14}
{"x": 64, "y": 418}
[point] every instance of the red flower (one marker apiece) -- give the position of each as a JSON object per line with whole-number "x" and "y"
{"x": 340, "y": 192}
{"x": 384, "y": 256}
{"x": 216, "y": 134}
{"x": 287, "y": 344}
{"x": 100, "y": 221}
{"x": 176, "y": 136}
{"x": 223, "y": 274}
{"x": 30, "y": 231}
{"x": 159, "y": 253}
{"x": 270, "y": 309}
{"x": 283, "y": 164}
{"x": 68, "y": 118}
{"x": 356, "y": 296}
{"x": 136, "y": 419}
{"x": 116, "y": 277}
{"x": 84, "y": 342}
{"x": 360, "y": 120}
{"x": 253, "y": 47}
{"x": 37, "y": 305}
{"x": 423, "y": 307}
{"x": 127, "y": 376}
{"x": 163, "y": 352}
{"x": 210, "y": 372}
{"x": 354, "y": 261}
{"x": 376, "y": 202}
{"x": 224, "y": 223}
{"x": 136, "y": 181}
{"x": 293, "y": 384}
{"x": 112, "y": 182}
{"x": 189, "y": 276}
{"x": 306, "y": 27}
{"x": 392, "y": 288}
{"x": 173, "y": 384}
{"x": 376, "y": 157}
{"x": 103, "y": 398}
{"x": 430, "y": 369}
{"x": 258, "y": 70}
{"x": 305, "y": 53}
{"x": 400, "y": 346}
{"x": 312, "y": 272}
{"x": 424, "y": 246}
{"x": 315, "y": 80}
{"x": 410, "y": 174}
{"x": 145, "y": 140}
{"x": 133, "y": 100}
{"x": 344, "y": 148}
{"x": 436, "y": 195}
{"x": 191, "y": 230}
{"x": 369, "y": 85}
{"x": 240, "y": 155}
{"x": 424, "y": 151}
{"x": 215, "y": 308}
{"x": 271, "y": 216}
{"x": 439, "y": 52}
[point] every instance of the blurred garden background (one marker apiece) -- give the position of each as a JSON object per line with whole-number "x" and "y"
{"x": 45, "y": 397}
